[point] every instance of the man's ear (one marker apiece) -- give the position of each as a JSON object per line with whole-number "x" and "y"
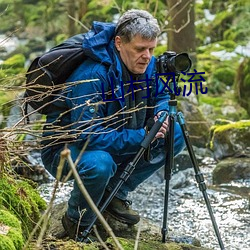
{"x": 118, "y": 42}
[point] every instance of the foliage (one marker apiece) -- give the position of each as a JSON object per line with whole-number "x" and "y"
{"x": 226, "y": 21}
{"x": 242, "y": 84}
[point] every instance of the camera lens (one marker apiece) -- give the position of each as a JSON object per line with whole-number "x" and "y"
{"x": 182, "y": 63}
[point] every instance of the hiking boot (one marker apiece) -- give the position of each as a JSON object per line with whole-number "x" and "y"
{"x": 75, "y": 231}
{"x": 121, "y": 211}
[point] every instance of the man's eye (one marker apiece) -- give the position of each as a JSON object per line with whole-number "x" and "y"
{"x": 139, "y": 49}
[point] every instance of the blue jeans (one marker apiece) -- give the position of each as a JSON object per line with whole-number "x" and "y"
{"x": 100, "y": 170}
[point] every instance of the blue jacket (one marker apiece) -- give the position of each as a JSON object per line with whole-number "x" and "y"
{"x": 89, "y": 116}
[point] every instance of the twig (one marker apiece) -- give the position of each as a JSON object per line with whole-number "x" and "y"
{"x": 66, "y": 154}
{"x": 137, "y": 236}
{"x": 77, "y": 21}
{"x": 99, "y": 238}
{"x": 45, "y": 217}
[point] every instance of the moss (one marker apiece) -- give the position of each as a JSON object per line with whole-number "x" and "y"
{"x": 9, "y": 219}
{"x": 22, "y": 200}
{"x": 6, "y": 243}
{"x": 236, "y": 125}
{"x": 128, "y": 244}
{"x": 228, "y": 45}
{"x": 224, "y": 75}
{"x": 16, "y": 61}
{"x": 16, "y": 237}
{"x": 221, "y": 132}
{"x": 13, "y": 239}
{"x": 215, "y": 101}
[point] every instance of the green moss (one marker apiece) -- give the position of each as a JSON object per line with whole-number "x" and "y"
{"x": 13, "y": 238}
{"x": 128, "y": 244}
{"x": 16, "y": 61}
{"x": 6, "y": 243}
{"x": 9, "y": 219}
{"x": 215, "y": 101}
{"x": 239, "y": 128}
{"x": 16, "y": 237}
{"x": 224, "y": 75}
{"x": 228, "y": 45}
{"x": 236, "y": 125}
{"x": 22, "y": 200}
{"x": 12, "y": 71}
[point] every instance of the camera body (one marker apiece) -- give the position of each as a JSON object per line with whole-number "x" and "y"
{"x": 169, "y": 61}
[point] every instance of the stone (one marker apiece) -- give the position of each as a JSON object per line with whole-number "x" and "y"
{"x": 231, "y": 169}
{"x": 230, "y": 140}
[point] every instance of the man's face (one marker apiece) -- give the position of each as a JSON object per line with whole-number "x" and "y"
{"x": 137, "y": 53}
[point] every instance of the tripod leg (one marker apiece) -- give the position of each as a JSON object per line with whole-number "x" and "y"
{"x": 168, "y": 173}
{"x": 129, "y": 169}
{"x": 199, "y": 176}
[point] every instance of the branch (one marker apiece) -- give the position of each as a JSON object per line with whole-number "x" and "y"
{"x": 67, "y": 155}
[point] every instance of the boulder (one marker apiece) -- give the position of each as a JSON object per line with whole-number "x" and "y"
{"x": 231, "y": 169}
{"x": 230, "y": 140}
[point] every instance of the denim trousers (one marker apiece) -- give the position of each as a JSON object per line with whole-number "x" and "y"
{"x": 100, "y": 171}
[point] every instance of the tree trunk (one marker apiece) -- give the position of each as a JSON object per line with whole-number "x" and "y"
{"x": 181, "y": 27}
{"x": 83, "y": 7}
{"x": 72, "y": 13}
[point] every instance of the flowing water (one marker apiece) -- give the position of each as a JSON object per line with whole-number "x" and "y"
{"x": 187, "y": 212}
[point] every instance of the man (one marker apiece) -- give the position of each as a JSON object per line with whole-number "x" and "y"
{"x": 111, "y": 129}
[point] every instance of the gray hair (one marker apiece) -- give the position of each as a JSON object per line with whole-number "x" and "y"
{"x": 137, "y": 22}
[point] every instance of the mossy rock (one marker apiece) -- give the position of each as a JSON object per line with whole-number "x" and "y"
{"x": 231, "y": 169}
{"x": 11, "y": 237}
{"x": 21, "y": 199}
{"x": 128, "y": 244}
{"x": 231, "y": 139}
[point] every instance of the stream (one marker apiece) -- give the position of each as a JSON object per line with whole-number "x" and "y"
{"x": 187, "y": 212}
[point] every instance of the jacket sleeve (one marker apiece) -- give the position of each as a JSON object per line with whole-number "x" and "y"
{"x": 88, "y": 115}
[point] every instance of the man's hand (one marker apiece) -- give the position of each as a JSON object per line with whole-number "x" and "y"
{"x": 164, "y": 128}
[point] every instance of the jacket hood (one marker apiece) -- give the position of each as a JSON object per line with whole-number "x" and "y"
{"x": 98, "y": 42}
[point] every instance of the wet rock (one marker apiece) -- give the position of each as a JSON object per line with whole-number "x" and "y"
{"x": 231, "y": 169}
{"x": 181, "y": 179}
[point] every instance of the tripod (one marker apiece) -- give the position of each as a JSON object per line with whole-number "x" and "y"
{"x": 168, "y": 167}
{"x": 169, "y": 163}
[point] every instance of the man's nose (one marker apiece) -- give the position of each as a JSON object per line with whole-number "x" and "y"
{"x": 146, "y": 54}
